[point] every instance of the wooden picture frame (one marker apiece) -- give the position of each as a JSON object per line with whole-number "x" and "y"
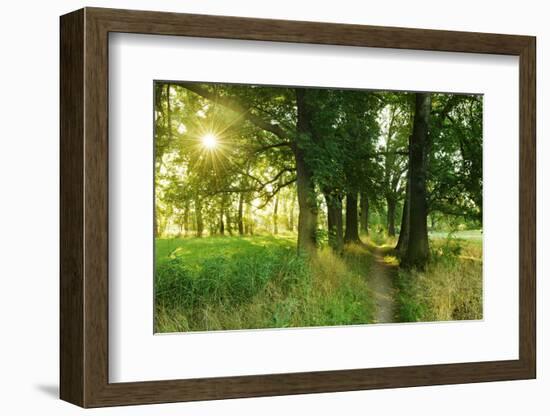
{"x": 84, "y": 207}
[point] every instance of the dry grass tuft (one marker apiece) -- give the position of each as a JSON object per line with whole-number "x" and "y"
{"x": 449, "y": 289}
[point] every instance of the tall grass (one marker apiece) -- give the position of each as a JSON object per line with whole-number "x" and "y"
{"x": 260, "y": 282}
{"x": 449, "y": 289}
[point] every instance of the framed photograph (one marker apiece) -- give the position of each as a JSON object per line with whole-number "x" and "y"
{"x": 257, "y": 207}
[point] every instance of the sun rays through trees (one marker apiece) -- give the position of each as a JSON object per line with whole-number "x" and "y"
{"x": 291, "y": 180}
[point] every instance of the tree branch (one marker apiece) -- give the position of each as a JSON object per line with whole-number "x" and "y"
{"x": 260, "y": 187}
{"x": 234, "y": 105}
{"x": 271, "y": 146}
{"x": 272, "y": 194}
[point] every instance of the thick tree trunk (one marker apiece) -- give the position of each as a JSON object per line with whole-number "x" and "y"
{"x": 352, "y": 226}
{"x": 391, "y": 216}
{"x": 307, "y": 218}
{"x": 335, "y": 222}
{"x": 417, "y": 248}
{"x": 240, "y": 214}
{"x": 364, "y": 213}
{"x": 403, "y": 240}
{"x": 198, "y": 217}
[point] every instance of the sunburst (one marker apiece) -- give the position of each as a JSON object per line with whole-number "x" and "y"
{"x": 209, "y": 141}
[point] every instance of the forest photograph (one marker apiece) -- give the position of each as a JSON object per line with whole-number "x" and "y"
{"x": 286, "y": 207}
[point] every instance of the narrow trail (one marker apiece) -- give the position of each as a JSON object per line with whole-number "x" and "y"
{"x": 381, "y": 283}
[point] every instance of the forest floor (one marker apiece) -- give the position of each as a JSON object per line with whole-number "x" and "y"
{"x": 380, "y": 280}
{"x": 221, "y": 283}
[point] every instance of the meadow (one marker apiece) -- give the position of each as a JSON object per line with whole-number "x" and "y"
{"x": 228, "y": 283}
{"x": 255, "y": 282}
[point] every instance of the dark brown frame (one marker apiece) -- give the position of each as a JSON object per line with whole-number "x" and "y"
{"x": 84, "y": 208}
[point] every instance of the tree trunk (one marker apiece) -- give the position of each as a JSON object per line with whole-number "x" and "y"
{"x": 198, "y": 217}
{"x": 240, "y": 214}
{"x": 169, "y": 112}
{"x": 276, "y": 215}
{"x": 186, "y": 217}
{"x": 352, "y": 226}
{"x": 248, "y": 220}
{"x": 417, "y": 248}
{"x": 335, "y": 222}
{"x": 228, "y": 226}
{"x": 222, "y": 225}
{"x": 307, "y": 217}
{"x": 403, "y": 240}
{"x": 291, "y": 214}
{"x": 364, "y": 213}
{"x": 391, "y": 216}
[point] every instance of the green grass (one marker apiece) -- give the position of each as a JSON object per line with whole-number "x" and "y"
{"x": 196, "y": 250}
{"x": 476, "y": 235}
{"x": 450, "y": 288}
{"x": 223, "y": 283}
{"x": 226, "y": 283}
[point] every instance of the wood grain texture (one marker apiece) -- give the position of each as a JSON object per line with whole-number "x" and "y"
{"x": 71, "y": 185}
{"x": 84, "y": 207}
{"x": 162, "y": 23}
{"x": 96, "y": 208}
{"x": 527, "y": 207}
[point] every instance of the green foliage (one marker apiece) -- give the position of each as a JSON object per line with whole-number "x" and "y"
{"x": 340, "y": 147}
{"x": 447, "y": 251}
{"x": 456, "y": 171}
{"x": 322, "y": 237}
{"x": 378, "y": 235}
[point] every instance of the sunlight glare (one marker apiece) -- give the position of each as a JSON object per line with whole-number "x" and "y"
{"x": 209, "y": 141}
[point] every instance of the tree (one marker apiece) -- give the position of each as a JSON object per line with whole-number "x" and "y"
{"x": 403, "y": 240}
{"x": 364, "y": 213}
{"x": 230, "y": 169}
{"x": 307, "y": 201}
{"x": 360, "y": 130}
{"x": 352, "y": 228}
{"x": 343, "y": 131}
{"x": 394, "y": 120}
{"x": 417, "y": 250}
{"x": 455, "y": 161}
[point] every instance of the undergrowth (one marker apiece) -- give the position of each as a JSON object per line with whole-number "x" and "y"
{"x": 260, "y": 282}
{"x": 449, "y": 289}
